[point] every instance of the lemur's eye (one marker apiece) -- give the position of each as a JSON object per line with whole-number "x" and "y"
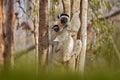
{"x": 56, "y": 28}
{"x": 64, "y": 20}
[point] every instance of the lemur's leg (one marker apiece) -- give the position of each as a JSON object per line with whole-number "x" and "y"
{"x": 76, "y": 51}
{"x": 77, "y": 48}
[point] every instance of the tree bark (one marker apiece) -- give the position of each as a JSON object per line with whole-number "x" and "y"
{"x": 67, "y": 7}
{"x": 82, "y": 34}
{"x": 43, "y": 32}
{"x": 1, "y": 38}
{"x": 8, "y": 31}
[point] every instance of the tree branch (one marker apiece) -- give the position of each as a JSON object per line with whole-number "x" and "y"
{"x": 21, "y": 53}
{"x": 111, "y": 14}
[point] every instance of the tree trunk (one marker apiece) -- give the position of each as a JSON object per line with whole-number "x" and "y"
{"x": 82, "y": 34}
{"x": 67, "y": 7}
{"x": 8, "y": 30}
{"x": 1, "y": 38}
{"x": 43, "y": 32}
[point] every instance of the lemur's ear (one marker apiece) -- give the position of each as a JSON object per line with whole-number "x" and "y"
{"x": 56, "y": 28}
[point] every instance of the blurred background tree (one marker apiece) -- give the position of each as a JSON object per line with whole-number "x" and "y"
{"x": 102, "y": 28}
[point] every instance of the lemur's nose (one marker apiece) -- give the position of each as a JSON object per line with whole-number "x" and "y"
{"x": 56, "y": 28}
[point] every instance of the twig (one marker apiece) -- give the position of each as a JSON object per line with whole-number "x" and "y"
{"x": 115, "y": 47}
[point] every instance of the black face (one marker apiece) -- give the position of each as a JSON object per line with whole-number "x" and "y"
{"x": 64, "y": 20}
{"x": 56, "y": 28}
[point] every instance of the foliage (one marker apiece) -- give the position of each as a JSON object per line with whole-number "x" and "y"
{"x": 104, "y": 30}
{"x": 28, "y": 73}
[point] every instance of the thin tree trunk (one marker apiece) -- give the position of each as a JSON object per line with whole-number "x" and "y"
{"x": 82, "y": 34}
{"x": 67, "y": 7}
{"x": 8, "y": 31}
{"x": 1, "y": 38}
{"x": 75, "y": 6}
{"x": 43, "y": 32}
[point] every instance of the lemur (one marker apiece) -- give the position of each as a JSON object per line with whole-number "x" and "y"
{"x": 64, "y": 45}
